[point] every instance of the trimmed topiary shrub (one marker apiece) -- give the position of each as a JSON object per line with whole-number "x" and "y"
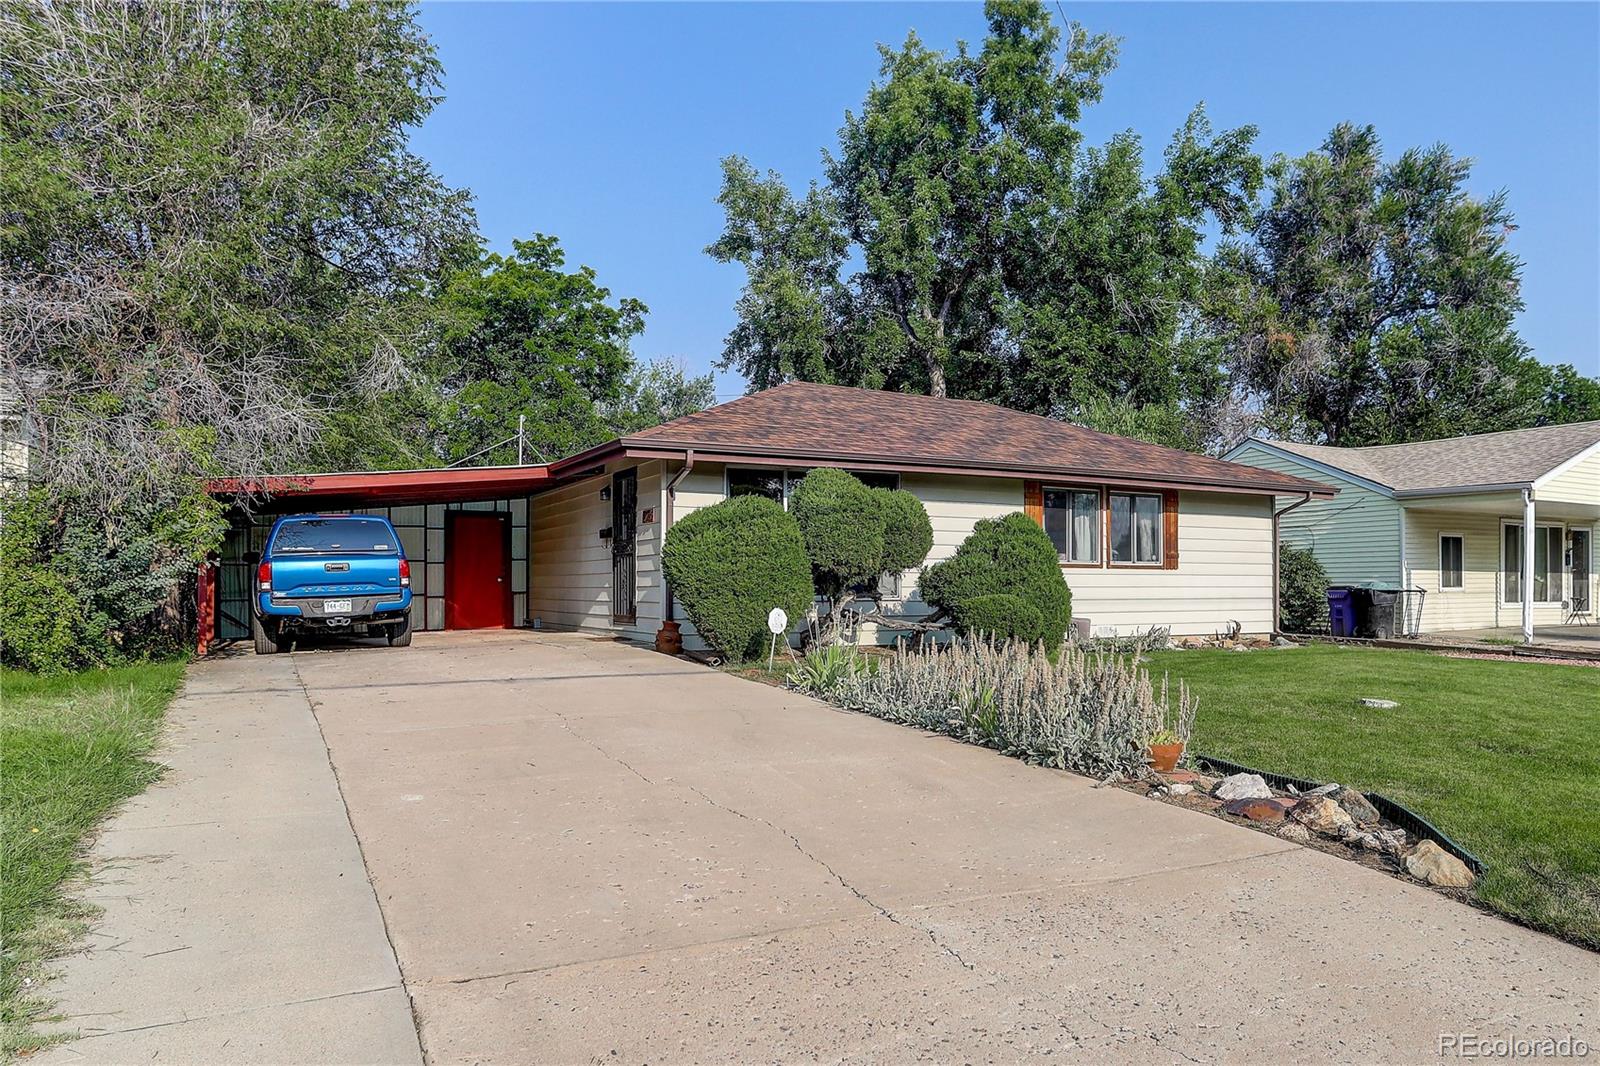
{"x": 854, "y": 534}
{"x": 841, "y": 523}
{"x": 1302, "y": 591}
{"x": 907, "y": 532}
{"x": 1007, "y": 556}
{"x": 731, "y": 563}
{"x": 1000, "y": 616}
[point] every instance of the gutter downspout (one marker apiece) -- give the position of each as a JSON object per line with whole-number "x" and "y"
{"x": 1527, "y": 565}
{"x": 672, "y": 494}
{"x": 1276, "y": 515}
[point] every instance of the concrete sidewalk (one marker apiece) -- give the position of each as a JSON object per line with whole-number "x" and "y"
{"x": 239, "y": 925}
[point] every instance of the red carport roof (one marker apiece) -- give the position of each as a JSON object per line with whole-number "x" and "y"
{"x": 389, "y": 487}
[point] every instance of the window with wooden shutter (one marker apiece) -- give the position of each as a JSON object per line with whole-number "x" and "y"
{"x": 1169, "y": 530}
{"x": 1033, "y": 500}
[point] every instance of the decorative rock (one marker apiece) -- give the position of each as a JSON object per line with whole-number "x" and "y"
{"x": 1357, "y": 806}
{"x": 1383, "y": 705}
{"x": 1190, "y": 777}
{"x": 1259, "y": 810}
{"x": 1388, "y": 841}
{"x": 1295, "y": 832}
{"x": 1324, "y": 790}
{"x": 1321, "y": 814}
{"x": 1431, "y": 863}
{"x": 1242, "y": 647}
{"x": 1356, "y": 838}
{"x": 1283, "y": 642}
{"x": 1180, "y": 788}
{"x": 1242, "y": 786}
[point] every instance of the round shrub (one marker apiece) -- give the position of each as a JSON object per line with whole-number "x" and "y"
{"x": 731, "y": 563}
{"x": 841, "y": 523}
{"x": 907, "y": 532}
{"x": 1009, "y": 556}
{"x": 1000, "y": 616}
{"x": 1302, "y": 591}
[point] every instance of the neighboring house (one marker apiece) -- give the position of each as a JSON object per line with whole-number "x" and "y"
{"x": 1148, "y": 536}
{"x": 16, "y": 440}
{"x": 1447, "y": 517}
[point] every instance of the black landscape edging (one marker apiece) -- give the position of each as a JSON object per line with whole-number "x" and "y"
{"x": 1396, "y": 813}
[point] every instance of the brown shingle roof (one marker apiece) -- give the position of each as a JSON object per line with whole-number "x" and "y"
{"x": 1511, "y": 457}
{"x": 817, "y": 423}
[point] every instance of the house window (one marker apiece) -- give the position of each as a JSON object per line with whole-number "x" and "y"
{"x": 768, "y": 483}
{"x": 1547, "y": 564}
{"x": 1072, "y": 518}
{"x": 779, "y": 485}
{"x": 1452, "y": 550}
{"x": 1135, "y": 528}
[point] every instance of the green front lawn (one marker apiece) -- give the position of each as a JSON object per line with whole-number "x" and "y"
{"x": 71, "y": 749}
{"x": 1502, "y": 756}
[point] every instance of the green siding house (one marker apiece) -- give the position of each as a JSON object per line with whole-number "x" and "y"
{"x": 1447, "y": 517}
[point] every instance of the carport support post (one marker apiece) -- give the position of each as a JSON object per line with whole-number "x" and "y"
{"x": 1527, "y": 566}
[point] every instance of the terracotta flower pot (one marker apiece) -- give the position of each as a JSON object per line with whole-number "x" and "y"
{"x": 1164, "y": 757}
{"x": 669, "y": 639}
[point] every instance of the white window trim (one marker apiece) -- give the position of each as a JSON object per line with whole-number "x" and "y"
{"x": 1161, "y": 529}
{"x": 1102, "y": 550}
{"x": 1439, "y": 556}
{"x": 1559, "y": 571}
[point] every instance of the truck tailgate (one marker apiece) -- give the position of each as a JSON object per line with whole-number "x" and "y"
{"x": 356, "y": 574}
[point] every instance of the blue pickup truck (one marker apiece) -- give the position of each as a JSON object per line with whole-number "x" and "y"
{"x": 331, "y": 574}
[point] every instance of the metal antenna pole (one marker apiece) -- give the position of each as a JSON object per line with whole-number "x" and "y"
{"x": 521, "y": 421}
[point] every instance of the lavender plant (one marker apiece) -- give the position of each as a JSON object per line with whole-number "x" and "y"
{"x": 1074, "y": 709}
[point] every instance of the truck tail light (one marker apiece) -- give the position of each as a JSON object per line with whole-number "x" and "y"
{"x": 264, "y": 577}
{"x": 405, "y": 573}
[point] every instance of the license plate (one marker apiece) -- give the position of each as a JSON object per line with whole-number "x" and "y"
{"x": 335, "y": 606}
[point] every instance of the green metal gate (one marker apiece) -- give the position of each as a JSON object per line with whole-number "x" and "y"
{"x": 235, "y": 574}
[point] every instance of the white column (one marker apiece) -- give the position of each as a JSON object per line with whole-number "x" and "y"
{"x": 1527, "y": 566}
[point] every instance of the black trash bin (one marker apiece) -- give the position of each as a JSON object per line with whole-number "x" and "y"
{"x": 1377, "y": 610}
{"x": 1381, "y": 623}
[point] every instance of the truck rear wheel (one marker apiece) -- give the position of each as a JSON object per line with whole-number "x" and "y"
{"x": 400, "y": 633}
{"x": 266, "y": 640}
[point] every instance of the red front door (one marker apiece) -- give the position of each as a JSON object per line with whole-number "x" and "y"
{"x": 477, "y": 582}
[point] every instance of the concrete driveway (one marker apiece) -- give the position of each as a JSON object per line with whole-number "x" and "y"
{"x": 587, "y": 852}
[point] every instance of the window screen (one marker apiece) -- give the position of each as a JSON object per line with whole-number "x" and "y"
{"x": 1135, "y": 528}
{"x": 1450, "y": 562}
{"x": 1072, "y": 518}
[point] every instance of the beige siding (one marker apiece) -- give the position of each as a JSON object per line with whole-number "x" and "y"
{"x": 570, "y": 579}
{"x": 1578, "y": 484}
{"x": 1224, "y": 556}
{"x": 1355, "y": 535}
{"x": 1224, "y": 574}
{"x": 1477, "y": 604}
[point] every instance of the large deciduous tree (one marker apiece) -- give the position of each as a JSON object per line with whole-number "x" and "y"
{"x": 216, "y": 239}
{"x": 997, "y": 256}
{"x": 217, "y": 254}
{"x": 528, "y": 338}
{"x": 1375, "y": 303}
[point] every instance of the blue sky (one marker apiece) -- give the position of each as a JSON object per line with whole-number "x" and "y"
{"x": 603, "y": 123}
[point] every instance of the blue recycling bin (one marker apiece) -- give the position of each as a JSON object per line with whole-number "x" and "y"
{"x": 1341, "y": 611}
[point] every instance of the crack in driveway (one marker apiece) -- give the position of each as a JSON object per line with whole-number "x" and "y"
{"x": 844, "y": 883}
{"x": 852, "y": 889}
